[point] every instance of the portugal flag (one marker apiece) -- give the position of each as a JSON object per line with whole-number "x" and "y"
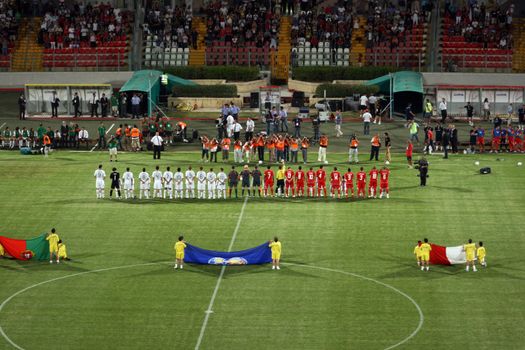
{"x": 32, "y": 249}
{"x": 440, "y": 255}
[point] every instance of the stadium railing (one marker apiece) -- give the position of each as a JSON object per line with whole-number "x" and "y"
{"x": 242, "y": 56}
{"x": 98, "y": 58}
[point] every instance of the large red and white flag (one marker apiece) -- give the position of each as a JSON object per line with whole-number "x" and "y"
{"x": 440, "y": 255}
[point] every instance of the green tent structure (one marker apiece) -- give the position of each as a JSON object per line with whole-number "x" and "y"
{"x": 148, "y": 83}
{"x": 403, "y": 87}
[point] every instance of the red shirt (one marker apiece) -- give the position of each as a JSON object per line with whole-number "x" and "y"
{"x": 310, "y": 178}
{"x": 408, "y": 152}
{"x": 361, "y": 178}
{"x": 384, "y": 173}
{"x": 289, "y": 175}
{"x": 299, "y": 176}
{"x": 349, "y": 179}
{"x": 321, "y": 177}
{"x": 373, "y": 175}
{"x": 335, "y": 178}
{"x": 268, "y": 176}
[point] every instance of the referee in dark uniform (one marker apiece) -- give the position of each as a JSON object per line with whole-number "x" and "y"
{"x": 423, "y": 171}
{"x": 115, "y": 183}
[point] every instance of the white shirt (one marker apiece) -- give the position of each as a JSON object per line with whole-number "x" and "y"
{"x": 250, "y": 125}
{"x": 135, "y": 100}
{"x": 156, "y": 140}
{"x": 237, "y": 127}
{"x": 211, "y": 177}
{"x": 178, "y": 177}
{"x": 128, "y": 176}
{"x": 283, "y": 113}
{"x": 372, "y": 100}
{"x": 486, "y": 105}
{"x": 167, "y": 176}
{"x": 83, "y": 134}
{"x": 190, "y": 175}
{"x": 144, "y": 177}
{"x": 367, "y": 117}
{"x": 363, "y": 100}
{"x": 100, "y": 174}
{"x": 442, "y": 105}
{"x": 201, "y": 176}
{"x": 230, "y": 120}
{"x": 157, "y": 176}
{"x": 221, "y": 178}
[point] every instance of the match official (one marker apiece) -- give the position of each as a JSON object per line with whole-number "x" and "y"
{"x": 157, "y": 145}
{"x": 423, "y": 171}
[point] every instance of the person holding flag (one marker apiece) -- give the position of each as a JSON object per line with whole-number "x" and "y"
{"x": 62, "y": 252}
{"x": 417, "y": 253}
{"x": 425, "y": 249}
{"x": 53, "y": 239}
{"x": 481, "y": 253}
{"x": 179, "y": 252}
{"x": 470, "y": 252}
{"x": 275, "y": 246}
{"x": 2, "y": 252}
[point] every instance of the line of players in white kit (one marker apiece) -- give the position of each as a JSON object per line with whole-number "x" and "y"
{"x": 165, "y": 184}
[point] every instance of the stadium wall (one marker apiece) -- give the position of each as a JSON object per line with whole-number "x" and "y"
{"x": 18, "y": 80}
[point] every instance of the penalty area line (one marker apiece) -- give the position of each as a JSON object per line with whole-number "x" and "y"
{"x": 111, "y": 127}
{"x": 209, "y": 311}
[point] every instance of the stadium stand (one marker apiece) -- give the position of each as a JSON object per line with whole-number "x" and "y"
{"x": 518, "y": 34}
{"x": 477, "y": 37}
{"x": 169, "y": 35}
{"x": 85, "y": 36}
{"x": 322, "y": 36}
{"x": 246, "y": 34}
{"x": 396, "y": 36}
{"x": 9, "y": 22}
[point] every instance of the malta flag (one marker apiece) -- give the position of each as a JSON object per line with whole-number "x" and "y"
{"x": 440, "y": 255}
{"x": 26, "y": 249}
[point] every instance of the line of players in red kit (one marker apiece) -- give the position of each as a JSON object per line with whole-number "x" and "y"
{"x": 340, "y": 184}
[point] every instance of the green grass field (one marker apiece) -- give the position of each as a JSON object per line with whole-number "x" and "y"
{"x": 348, "y": 280}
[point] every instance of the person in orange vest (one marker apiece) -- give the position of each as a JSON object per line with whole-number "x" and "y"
{"x": 260, "y": 148}
{"x": 135, "y": 139}
{"x": 323, "y": 145}
{"x": 376, "y": 144}
{"x": 294, "y": 149}
{"x": 247, "y": 149}
{"x": 127, "y": 137}
{"x": 237, "y": 151}
{"x": 225, "y": 146}
{"x": 279, "y": 147}
{"x": 183, "y": 127}
{"x": 270, "y": 144}
{"x": 118, "y": 136}
{"x": 353, "y": 149}
{"x": 305, "y": 143}
{"x": 47, "y": 145}
{"x": 213, "y": 149}
{"x": 205, "y": 148}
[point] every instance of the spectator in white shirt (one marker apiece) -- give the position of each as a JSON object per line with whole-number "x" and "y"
{"x": 237, "y": 127}
{"x": 157, "y": 145}
{"x": 363, "y": 102}
{"x": 367, "y": 117}
{"x": 83, "y": 136}
{"x": 443, "y": 110}
{"x": 250, "y": 128}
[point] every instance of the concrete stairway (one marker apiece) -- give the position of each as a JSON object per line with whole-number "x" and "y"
{"x": 198, "y": 56}
{"x": 27, "y": 56}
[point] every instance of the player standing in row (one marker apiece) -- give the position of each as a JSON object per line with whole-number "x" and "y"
{"x": 190, "y": 183}
{"x": 221, "y": 184}
{"x": 157, "y": 183}
{"x": 335, "y": 184}
{"x": 211, "y": 177}
{"x": 268, "y": 181}
{"x": 201, "y": 184}
{"x": 144, "y": 184}
{"x": 100, "y": 175}
{"x": 129, "y": 184}
{"x": 178, "y": 178}
{"x": 361, "y": 183}
{"x": 299, "y": 181}
{"x": 383, "y": 185}
{"x": 256, "y": 181}
{"x": 288, "y": 182}
{"x": 425, "y": 249}
{"x": 372, "y": 185}
{"x": 115, "y": 183}
{"x": 167, "y": 179}
{"x": 348, "y": 184}
{"x": 310, "y": 182}
{"x": 321, "y": 182}
{"x": 245, "y": 180}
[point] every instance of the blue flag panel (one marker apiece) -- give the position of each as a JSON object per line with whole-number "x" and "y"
{"x": 259, "y": 255}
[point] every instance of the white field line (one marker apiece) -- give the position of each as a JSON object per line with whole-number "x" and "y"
{"x": 1, "y": 126}
{"x": 107, "y": 131}
{"x": 209, "y": 311}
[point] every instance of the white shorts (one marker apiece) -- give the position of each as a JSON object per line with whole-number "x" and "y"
{"x": 221, "y": 187}
{"x": 201, "y": 186}
{"x": 100, "y": 184}
{"x": 157, "y": 185}
{"x": 168, "y": 188}
{"x": 128, "y": 186}
{"x": 144, "y": 186}
{"x": 190, "y": 185}
{"x": 112, "y": 151}
{"x": 178, "y": 187}
{"x": 211, "y": 187}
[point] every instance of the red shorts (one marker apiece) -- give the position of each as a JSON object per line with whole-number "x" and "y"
{"x": 383, "y": 185}
{"x": 361, "y": 185}
{"x": 288, "y": 184}
{"x": 496, "y": 140}
{"x": 300, "y": 184}
{"x": 336, "y": 186}
{"x": 480, "y": 140}
{"x": 268, "y": 184}
{"x": 321, "y": 185}
{"x": 310, "y": 184}
{"x": 372, "y": 184}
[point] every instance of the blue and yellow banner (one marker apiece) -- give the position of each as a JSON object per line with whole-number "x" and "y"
{"x": 261, "y": 254}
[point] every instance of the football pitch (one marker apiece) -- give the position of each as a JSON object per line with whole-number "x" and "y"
{"x": 348, "y": 278}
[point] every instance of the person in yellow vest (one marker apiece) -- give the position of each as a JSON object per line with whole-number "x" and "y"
{"x": 53, "y": 239}
{"x": 275, "y": 246}
{"x": 62, "y": 251}
{"x": 481, "y": 254}
{"x": 179, "y": 252}
{"x": 323, "y": 145}
{"x": 470, "y": 252}
{"x": 417, "y": 253}
{"x": 425, "y": 249}
{"x": 427, "y": 115}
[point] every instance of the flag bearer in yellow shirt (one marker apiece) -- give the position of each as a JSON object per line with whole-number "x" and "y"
{"x": 470, "y": 251}
{"x": 179, "y": 252}
{"x": 275, "y": 245}
{"x": 417, "y": 253}
{"x": 62, "y": 251}
{"x": 481, "y": 254}
{"x": 53, "y": 245}
{"x": 425, "y": 254}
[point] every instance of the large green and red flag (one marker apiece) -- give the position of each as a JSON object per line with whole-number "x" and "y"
{"x": 26, "y": 249}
